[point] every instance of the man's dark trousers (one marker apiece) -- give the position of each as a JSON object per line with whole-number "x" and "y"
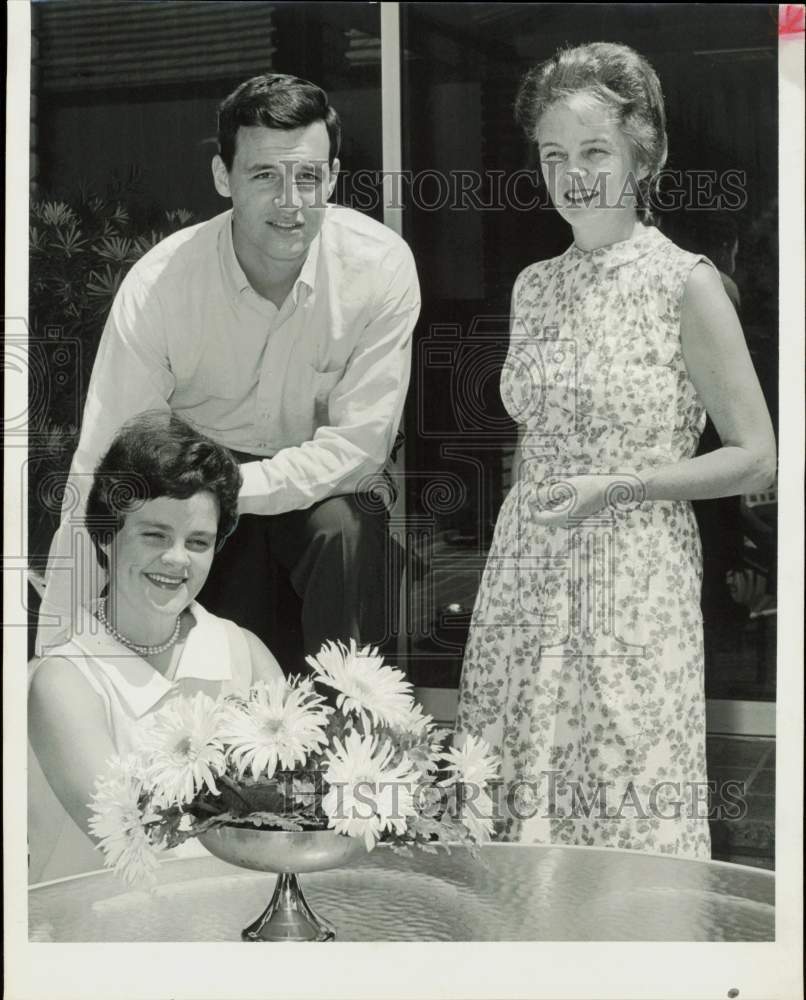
{"x": 306, "y": 576}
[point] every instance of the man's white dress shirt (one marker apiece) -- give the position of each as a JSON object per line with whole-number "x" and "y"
{"x": 316, "y": 386}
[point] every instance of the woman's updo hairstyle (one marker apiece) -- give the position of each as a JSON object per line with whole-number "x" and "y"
{"x": 156, "y": 454}
{"x": 615, "y": 76}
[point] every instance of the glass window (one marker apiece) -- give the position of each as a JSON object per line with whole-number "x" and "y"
{"x": 124, "y": 99}
{"x": 475, "y": 216}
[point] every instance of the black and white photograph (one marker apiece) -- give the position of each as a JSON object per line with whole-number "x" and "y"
{"x": 403, "y": 499}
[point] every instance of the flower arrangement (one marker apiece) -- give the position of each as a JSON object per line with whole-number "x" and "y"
{"x": 374, "y": 767}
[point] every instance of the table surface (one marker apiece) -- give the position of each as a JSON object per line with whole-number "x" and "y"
{"x": 510, "y": 893}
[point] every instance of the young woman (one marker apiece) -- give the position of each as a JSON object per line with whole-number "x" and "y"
{"x": 163, "y": 500}
{"x": 584, "y": 664}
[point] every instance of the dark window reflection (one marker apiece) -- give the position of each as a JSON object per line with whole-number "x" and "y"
{"x": 476, "y": 216}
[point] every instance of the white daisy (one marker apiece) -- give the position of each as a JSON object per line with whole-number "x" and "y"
{"x": 366, "y": 687}
{"x": 419, "y": 722}
{"x": 368, "y": 794}
{"x": 281, "y": 724}
{"x": 119, "y": 825}
{"x": 182, "y": 749}
{"x": 470, "y": 763}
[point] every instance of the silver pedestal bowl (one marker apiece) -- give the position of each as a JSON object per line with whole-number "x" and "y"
{"x": 288, "y": 917}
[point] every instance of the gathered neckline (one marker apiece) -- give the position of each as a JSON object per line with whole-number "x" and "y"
{"x": 621, "y": 252}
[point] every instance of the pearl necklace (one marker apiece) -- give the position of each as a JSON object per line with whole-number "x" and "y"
{"x": 100, "y": 614}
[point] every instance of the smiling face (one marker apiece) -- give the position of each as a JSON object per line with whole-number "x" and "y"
{"x": 160, "y": 559}
{"x": 587, "y": 162}
{"x": 279, "y": 185}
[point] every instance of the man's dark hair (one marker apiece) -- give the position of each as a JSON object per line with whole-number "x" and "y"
{"x": 158, "y": 455}
{"x": 275, "y": 100}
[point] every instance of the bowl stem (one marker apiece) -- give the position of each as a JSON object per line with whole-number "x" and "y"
{"x": 288, "y": 916}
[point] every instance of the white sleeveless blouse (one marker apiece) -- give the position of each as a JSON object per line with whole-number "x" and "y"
{"x": 215, "y": 658}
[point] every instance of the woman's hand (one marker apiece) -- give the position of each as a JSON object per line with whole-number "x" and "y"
{"x": 565, "y": 502}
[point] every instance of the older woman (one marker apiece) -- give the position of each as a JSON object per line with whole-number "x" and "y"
{"x": 584, "y": 666}
{"x": 163, "y": 501}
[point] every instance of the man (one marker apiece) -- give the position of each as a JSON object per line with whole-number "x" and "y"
{"x": 282, "y": 329}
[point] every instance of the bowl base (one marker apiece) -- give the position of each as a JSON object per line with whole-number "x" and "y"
{"x": 288, "y": 917}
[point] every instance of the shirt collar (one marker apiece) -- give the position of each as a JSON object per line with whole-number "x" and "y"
{"x": 307, "y": 276}
{"x": 205, "y": 656}
{"x": 618, "y": 254}
{"x": 238, "y": 281}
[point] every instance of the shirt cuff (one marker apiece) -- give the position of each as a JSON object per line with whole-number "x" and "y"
{"x": 255, "y": 496}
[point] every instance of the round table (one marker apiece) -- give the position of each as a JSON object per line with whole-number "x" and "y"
{"x": 509, "y": 893}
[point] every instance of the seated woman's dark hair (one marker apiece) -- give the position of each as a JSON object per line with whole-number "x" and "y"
{"x": 156, "y": 454}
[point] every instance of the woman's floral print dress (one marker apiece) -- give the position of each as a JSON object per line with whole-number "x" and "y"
{"x": 584, "y": 665}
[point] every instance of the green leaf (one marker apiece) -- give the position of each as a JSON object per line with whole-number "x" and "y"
{"x": 114, "y": 248}
{"x": 55, "y": 213}
{"x": 68, "y": 240}
{"x": 104, "y": 284}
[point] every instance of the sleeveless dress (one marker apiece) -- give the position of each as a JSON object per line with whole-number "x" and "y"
{"x": 584, "y": 663}
{"x": 215, "y": 658}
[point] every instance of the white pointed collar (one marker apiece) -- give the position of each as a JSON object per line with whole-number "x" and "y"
{"x": 205, "y": 656}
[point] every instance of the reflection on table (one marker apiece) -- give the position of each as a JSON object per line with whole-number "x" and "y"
{"x": 511, "y": 893}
